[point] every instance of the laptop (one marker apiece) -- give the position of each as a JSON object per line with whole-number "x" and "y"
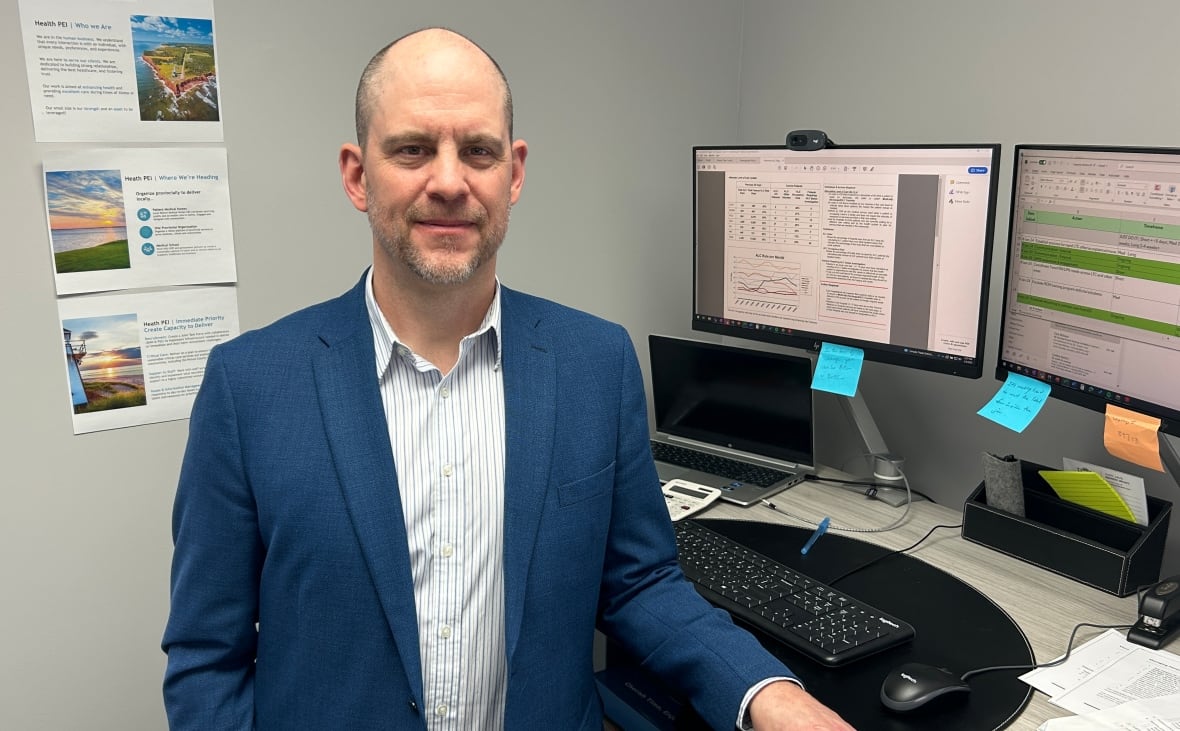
{"x": 737, "y": 419}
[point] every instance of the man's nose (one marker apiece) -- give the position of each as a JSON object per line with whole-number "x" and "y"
{"x": 448, "y": 176}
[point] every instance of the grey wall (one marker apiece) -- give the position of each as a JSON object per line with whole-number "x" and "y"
{"x": 610, "y": 95}
{"x": 1007, "y": 71}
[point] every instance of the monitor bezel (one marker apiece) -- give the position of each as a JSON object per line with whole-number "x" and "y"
{"x": 878, "y": 352}
{"x": 1169, "y": 418}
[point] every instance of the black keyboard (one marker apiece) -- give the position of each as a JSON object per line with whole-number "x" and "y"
{"x": 823, "y": 623}
{"x": 733, "y": 469}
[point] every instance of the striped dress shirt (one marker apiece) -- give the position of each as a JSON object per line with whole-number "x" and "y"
{"x": 447, "y": 434}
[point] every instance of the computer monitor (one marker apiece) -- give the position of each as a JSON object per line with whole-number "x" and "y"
{"x": 884, "y": 248}
{"x": 1092, "y": 291}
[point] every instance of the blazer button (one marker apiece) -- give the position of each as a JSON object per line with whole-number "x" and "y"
{"x": 414, "y": 706}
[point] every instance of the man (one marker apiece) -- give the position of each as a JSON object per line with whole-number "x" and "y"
{"x": 410, "y": 506}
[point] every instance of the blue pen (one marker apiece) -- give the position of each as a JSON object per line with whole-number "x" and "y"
{"x": 819, "y": 531}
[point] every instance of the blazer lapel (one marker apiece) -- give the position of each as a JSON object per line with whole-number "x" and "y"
{"x": 530, "y": 388}
{"x": 358, "y": 437}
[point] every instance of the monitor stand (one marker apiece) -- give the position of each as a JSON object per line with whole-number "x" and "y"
{"x": 885, "y": 472}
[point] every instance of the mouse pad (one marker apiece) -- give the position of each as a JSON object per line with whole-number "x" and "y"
{"x": 957, "y": 628}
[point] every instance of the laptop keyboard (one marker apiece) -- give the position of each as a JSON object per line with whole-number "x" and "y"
{"x": 731, "y": 468}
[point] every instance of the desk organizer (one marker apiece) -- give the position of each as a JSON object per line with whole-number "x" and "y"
{"x": 1107, "y": 553}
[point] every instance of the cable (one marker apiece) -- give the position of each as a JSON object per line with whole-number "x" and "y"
{"x": 872, "y": 486}
{"x": 882, "y": 557}
{"x": 1055, "y": 663}
{"x": 848, "y": 529}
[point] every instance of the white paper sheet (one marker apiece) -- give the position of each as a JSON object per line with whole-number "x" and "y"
{"x": 141, "y": 355}
{"x": 122, "y": 70}
{"x": 137, "y": 218}
{"x": 1130, "y": 487}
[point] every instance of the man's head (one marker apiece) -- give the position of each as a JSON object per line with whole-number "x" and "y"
{"x": 435, "y": 166}
{"x": 368, "y": 87}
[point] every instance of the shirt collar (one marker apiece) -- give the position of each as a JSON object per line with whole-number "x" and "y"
{"x": 385, "y": 340}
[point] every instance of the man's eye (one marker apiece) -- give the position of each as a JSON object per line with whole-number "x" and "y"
{"x": 410, "y": 150}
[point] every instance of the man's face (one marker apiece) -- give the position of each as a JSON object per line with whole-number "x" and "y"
{"x": 440, "y": 172}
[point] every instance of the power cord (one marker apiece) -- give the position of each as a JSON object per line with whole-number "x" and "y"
{"x": 870, "y": 488}
{"x": 882, "y": 557}
{"x": 1068, "y": 646}
{"x": 1055, "y": 663}
{"x": 848, "y": 529}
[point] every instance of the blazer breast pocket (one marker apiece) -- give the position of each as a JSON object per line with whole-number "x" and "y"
{"x": 593, "y": 486}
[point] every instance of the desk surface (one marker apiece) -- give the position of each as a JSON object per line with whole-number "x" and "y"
{"x": 1046, "y": 606}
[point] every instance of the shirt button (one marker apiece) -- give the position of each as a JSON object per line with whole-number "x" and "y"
{"x": 447, "y": 550}
{"x": 444, "y": 392}
{"x": 447, "y": 470}
{"x": 445, "y": 632}
{"x": 441, "y": 710}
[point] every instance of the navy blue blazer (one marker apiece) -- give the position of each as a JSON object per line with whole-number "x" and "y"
{"x": 292, "y": 601}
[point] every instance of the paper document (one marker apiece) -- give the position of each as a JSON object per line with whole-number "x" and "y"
{"x": 1139, "y": 674}
{"x": 1153, "y": 714}
{"x": 1129, "y": 487}
{"x": 1112, "y": 684}
{"x": 1088, "y": 489}
{"x": 1085, "y": 660}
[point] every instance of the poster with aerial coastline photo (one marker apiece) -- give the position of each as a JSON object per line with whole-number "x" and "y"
{"x": 122, "y": 70}
{"x": 130, "y": 218}
{"x": 138, "y": 357}
{"x": 175, "y": 70}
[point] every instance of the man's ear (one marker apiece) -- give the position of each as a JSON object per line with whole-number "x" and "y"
{"x": 352, "y": 175}
{"x": 520, "y": 151}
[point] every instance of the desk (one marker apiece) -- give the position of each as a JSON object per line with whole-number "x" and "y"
{"x": 1045, "y": 606}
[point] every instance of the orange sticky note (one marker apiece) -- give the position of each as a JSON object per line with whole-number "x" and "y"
{"x": 1133, "y": 437}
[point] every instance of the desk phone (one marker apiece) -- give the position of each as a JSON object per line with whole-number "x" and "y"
{"x": 686, "y": 498}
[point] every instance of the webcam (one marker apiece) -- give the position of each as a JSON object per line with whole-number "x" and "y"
{"x": 808, "y": 139}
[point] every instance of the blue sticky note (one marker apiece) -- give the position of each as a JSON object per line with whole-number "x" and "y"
{"x": 1017, "y": 402}
{"x": 838, "y": 369}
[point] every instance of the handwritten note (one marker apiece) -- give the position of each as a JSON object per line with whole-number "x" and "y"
{"x": 1133, "y": 437}
{"x": 1089, "y": 489}
{"x": 1017, "y": 402}
{"x": 838, "y": 369}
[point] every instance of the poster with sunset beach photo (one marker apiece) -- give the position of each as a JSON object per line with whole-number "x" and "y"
{"x": 135, "y": 358}
{"x": 107, "y": 353}
{"x": 87, "y": 225}
{"x": 132, "y": 218}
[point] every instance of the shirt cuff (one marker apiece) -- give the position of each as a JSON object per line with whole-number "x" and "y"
{"x": 744, "y": 723}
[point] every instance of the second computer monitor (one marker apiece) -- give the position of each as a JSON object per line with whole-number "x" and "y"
{"x": 1092, "y": 292}
{"x": 883, "y": 248}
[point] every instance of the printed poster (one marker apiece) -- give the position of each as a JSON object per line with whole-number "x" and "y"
{"x": 134, "y": 218}
{"x": 136, "y": 358}
{"x": 122, "y": 70}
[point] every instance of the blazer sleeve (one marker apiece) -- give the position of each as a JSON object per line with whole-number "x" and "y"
{"x": 647, "y": 605}
{"x": 211, "y": 635}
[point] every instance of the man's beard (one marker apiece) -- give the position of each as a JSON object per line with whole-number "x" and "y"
{"x": 394, "y": 238}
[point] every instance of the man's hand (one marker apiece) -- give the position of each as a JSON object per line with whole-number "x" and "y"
{"x": 784, "y": 706}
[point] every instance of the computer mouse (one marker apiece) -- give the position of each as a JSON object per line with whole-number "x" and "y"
{"x": 910, "y": 686}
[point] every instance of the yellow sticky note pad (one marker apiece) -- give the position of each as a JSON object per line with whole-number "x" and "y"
{"x": 1088, "y": 489}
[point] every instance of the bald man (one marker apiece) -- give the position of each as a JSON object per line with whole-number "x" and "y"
{"x": 409, "y": 507}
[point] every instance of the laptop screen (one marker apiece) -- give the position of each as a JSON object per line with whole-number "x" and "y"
{"x": 737, "y": 398}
